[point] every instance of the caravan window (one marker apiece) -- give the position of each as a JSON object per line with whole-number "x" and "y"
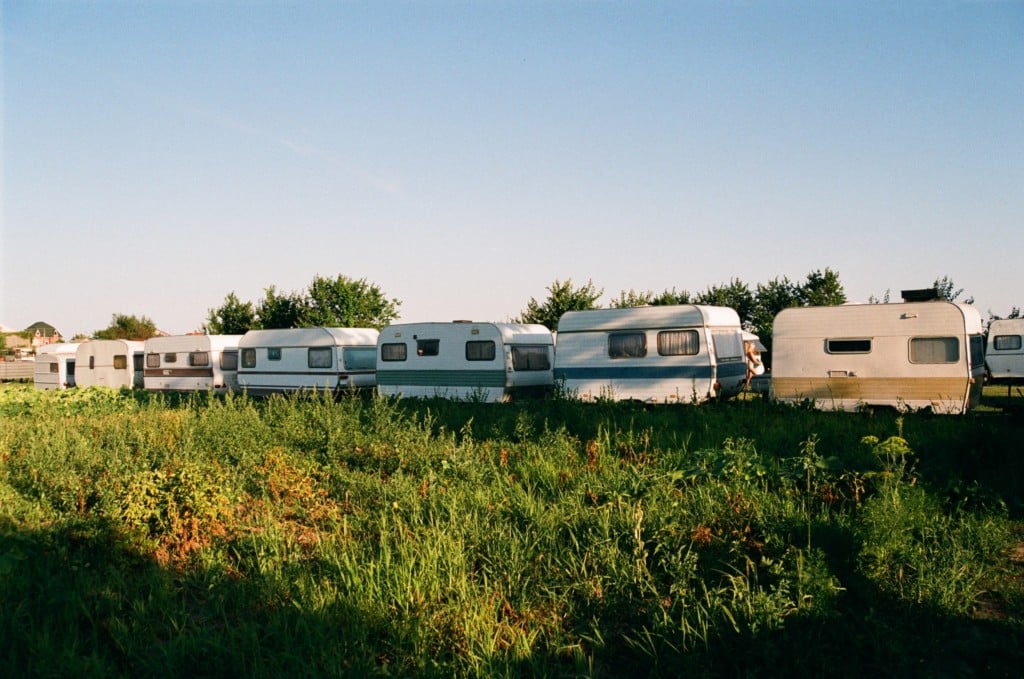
{"x": 152, "y": 360}
{"x": 320, "y": 357}
{"x": 393, "y": 351}
{"x": 934, "y": 350}
{"x": 360, "y": 358}
{"x": 229, "y": 360}
{"x": 848, "y": 346}
{"x": 678, "y": 343}
{"x": 199, "y": 358}
{"x": 120, "y": 362}
{"x": 526, "y": 358}
{"x": 480, "y": 350}
{"x": 428, "y": 347}
{"x": 248, "y": 358}
{"x": 627, "y": 345}
{"x": 55, "y": 367}
{"x": 170, "y": 358}
{"x": 977, "y": 350}
{"x": 92, "y": 363}
{"x": 273, "y": 353}
{"x": 1006, "y": 343}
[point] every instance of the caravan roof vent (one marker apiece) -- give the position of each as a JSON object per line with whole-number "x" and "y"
{"x": 922, "y": 295}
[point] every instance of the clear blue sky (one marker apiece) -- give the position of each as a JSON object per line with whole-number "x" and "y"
{"x": 463, "y": 155}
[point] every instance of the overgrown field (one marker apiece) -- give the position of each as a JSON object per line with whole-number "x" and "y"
{"x": 149, "y": 536}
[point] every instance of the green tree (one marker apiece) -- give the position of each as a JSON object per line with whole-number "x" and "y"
{"x": 562, "y": 297}
{"x": 735, "y": 294}
{"x": 947, "y": 290}
{"x": 233, "y": 317}
{"x": 348, "y": 303}
{"x": 769, "y": 299}
{"x": 822, "y": 288}
{"x": 632, "y": 299}
{"x": 123, "y": 326}
{"x": 277, "y": 310}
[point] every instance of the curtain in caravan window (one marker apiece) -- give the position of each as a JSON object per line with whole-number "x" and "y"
{"x": 120, "y": 362}
{"x": 934, "y": 350}
{"x": 480, "y": 350}
{"x": 627, "y": 345}
{"x": 393, "y": 351}
{"x": 530, "y": 358}
{"x": 320, "y": 357}
{"x": 1006, "y": 342}
{"x": 199, "y": 358}
{"x": 680, "y": 343}
{"x": 152, "y": 360}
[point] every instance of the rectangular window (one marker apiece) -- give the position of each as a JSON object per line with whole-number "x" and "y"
{"x": 525, "y": 358}
{"x": 848, "y": 346}
{"x": 229, "y": 360}
{"x": 934, "y": 350}
{"x": 55, "y": 367}
{"x": 977, "y": 347}
{"x": 678, "y": 343}
{"x": 728, "y": 344}
{"x": 170, "y": 358}
{"x": 273, "y": 353}
{"x": 360, "y": 358}
{"x": 92, "y": 363}
{"x": 627, "y": 345}
{"x": 248, "y": 358}
{"x": 120, "y": 362}
{"x": 320, "y": 357}
{"x": 428, "y": 347}
{"x": 393, "y": 351}
{"x": 480, "y": 350}
{"x": 152, "y": 360}
{"x": 1006, "y": 343}
{"x": 199, "y": 358}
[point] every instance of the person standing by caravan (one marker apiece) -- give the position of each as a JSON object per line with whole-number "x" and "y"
{"x": 755, "y": 366}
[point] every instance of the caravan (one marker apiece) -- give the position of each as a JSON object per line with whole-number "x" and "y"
{"x": 1005, "y": 355}
{"x": 189, "y": 363}
{"x": 656, "y": 354}
{"x": 465, "y": 360}
{"x": 109, "y": 363}
{"x": 55, "y": 366}
{"x": 294, "y": 359}
{"x": 908, "y": 355}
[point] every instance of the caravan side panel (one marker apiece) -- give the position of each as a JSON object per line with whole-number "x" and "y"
{"x": 910, "y": 355}
{"x": 55, "y": 366}
{"x": 1005, "y": 353}
{"x": 296, "y": 359}
{"x": 109, "y": 363}
{"x": 186, "y": 363}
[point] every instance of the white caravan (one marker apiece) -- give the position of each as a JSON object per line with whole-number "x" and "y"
{"x": 55, "y": 366}
{"x": 294, "y": 359}
{"x": 465, "y": 360}
{"x": 189, "y": 363}
{"x": 655, "y": 354}
{"x": 1005, "y": 355}
{"x": 109, "y": 363}
{"x": 910, "y": 355}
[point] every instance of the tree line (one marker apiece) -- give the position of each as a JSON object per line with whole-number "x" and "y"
{"x": 346, "y": 302}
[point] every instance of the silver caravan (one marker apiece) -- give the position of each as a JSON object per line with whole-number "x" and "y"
{"x": 55, "y": 366}
{"x": 1004, "y": 356}
{"x": 296, "y": 359}
{"x": 109, "y": 363}
{"x": 911, "y": 355}
{"x": 465, "y": 360}
{"x": 656, "y": 354}
{"x": 186, "y": 363}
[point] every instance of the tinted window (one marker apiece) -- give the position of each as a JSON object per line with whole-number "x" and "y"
{"x": 428, "y": 347}
{"x": 152, "y": 360}
{"x": 320, "y": 357}
{"x": 170, "y": 358}
{"x": 480, "y": 350}
{"x": 199, "y": 358}
{"x": 627, "y": 345}
{"x": 1006, "y": 342}
{"x": 934, "y": 350}
{"x": 273, "y": 353}
{"x": 360, "y": 358}
{"x": 393, "y": 351}
{"x": 526, "y": 358}
{"x": 248, "y": 358}
{"x": 229, "y": 360}
{"x": 848, "y": 346}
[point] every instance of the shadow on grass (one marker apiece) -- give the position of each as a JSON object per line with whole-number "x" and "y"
{"x": 77, "y": 602}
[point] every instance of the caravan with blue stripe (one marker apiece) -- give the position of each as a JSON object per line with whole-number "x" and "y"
{"x": 658, "y": 354}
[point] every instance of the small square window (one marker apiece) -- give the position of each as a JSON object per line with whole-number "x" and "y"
{"x": 428, "y": 347}
{"x": 273, "y": 353}
{"x": 393, "y": 351}
{"x": 480, "y": 350}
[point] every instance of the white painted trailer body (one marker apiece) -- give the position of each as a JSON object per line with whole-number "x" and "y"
{"x": 55, "y": 366}
{"x": 296, "y": 359}
{"x": 463, "y": 360}
{"x": 187, "y": 363}
{"x": 1004, "y": 355}
{"x": 912, "y": 355}
{"x": 655, "y": 354}
{"x": 109, "y": 363}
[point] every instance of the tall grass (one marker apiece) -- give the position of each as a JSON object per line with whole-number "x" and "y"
{"x": 142, "y": 535}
